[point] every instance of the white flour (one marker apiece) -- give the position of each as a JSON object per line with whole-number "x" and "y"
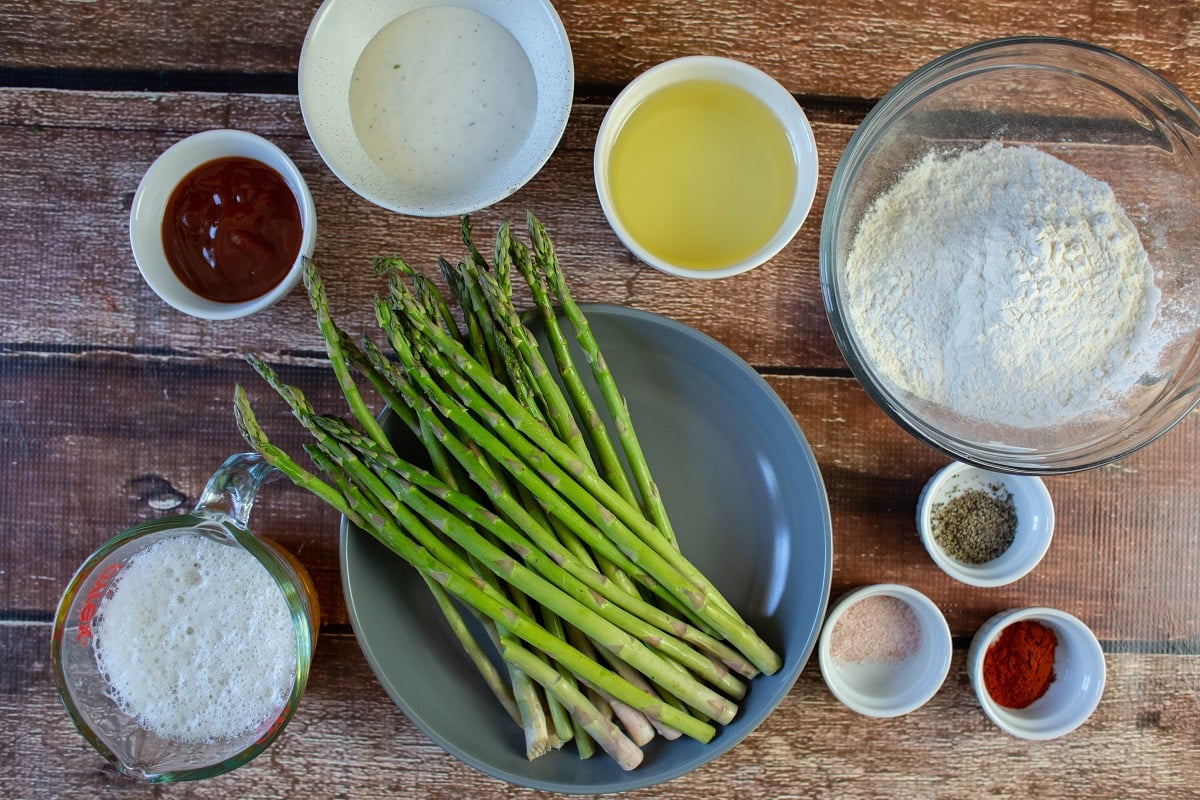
{"x": 1002, "y": 283}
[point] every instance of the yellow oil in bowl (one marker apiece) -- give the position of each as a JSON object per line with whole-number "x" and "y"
{"x": 702, "y": 174}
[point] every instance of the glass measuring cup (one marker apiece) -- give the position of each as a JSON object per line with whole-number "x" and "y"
{"x": 122, "y": 734}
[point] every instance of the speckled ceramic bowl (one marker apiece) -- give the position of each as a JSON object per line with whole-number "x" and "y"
{"x": 339, "y": 33}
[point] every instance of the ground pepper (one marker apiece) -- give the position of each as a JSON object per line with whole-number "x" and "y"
{"x": 1018, "y": 668}
{"x": 976, "y": 526}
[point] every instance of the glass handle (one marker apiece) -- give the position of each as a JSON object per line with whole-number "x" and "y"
{"x": 232, "y": 488}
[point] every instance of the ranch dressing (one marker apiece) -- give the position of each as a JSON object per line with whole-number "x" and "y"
{"x": 441, "y": 95}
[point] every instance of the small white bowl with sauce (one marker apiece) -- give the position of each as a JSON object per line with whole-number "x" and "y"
{"x": 231, "y": 261}
{"x": 434, "y": 109}
{"x": 705, "y": 167}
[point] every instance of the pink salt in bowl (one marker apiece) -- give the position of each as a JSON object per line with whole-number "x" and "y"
{"x": 884, "y": 650}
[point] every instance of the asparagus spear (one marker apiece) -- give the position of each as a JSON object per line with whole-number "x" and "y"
{"x": 415, "y": 512}
{"x": 547, "y": 260}
{"x": 385, "y": 528}
{"x": 551, "y": 561}
{"x": 337, "y": 359}
{"x": 489, "y": 412}
{"x": 487, "y": 670}
{"x": 675, "y": 573}
{"x": 627, "y": 754}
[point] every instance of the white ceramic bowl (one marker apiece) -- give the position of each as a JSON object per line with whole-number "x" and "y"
{"x": 888, "y": 689}
{"x": 150, "y": 202}
{"x": 337, "y": 37}
{"x": 1079, "y": 674}
{"x": 1035, "y": 523}
{"x": 740, "y": 75}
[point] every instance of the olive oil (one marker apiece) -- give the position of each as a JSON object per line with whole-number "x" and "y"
{"x": 702, "y": 174}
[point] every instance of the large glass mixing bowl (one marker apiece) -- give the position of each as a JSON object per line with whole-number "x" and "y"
{"x": 1098, "y": 111}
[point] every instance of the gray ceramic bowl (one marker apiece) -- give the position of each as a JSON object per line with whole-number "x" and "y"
{"x": 749, "y": 508}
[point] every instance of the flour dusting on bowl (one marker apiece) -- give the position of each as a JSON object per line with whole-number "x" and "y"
{"x": 1008, "y": 251}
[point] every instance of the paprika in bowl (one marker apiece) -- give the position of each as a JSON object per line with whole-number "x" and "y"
{"x": 1038, "y": 672}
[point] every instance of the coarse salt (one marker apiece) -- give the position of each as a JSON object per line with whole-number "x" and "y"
{"x": 878, "y": 628}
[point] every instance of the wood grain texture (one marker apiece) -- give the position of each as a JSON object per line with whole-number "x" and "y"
{"x": 348, "y": 740}
{"x": 857, "y": 49}
{"x": 115, "y": 408}
{"x": 92, "y": 148}
{"x": 97, "y": 443}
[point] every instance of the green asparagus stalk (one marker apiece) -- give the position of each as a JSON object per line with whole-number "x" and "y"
{"x": 535, "y": 527}
{"x": 439, "y": 313}
{"x": 557, "y": 411}
{"x": 457, "y": 362}
{"x": 650, "y": 624}
{"x": 337, "y": 359}
{"x": 531, "y": 714}
{"x": 415, "y": 511}
{"x": 627, "y": 754}
{"x": 607, "y": 456}
{"x": 392, "y": 535}
{"x": 547, "y": 260}
{"x": 675, "y": 573}
{"x": 487, "y": 670}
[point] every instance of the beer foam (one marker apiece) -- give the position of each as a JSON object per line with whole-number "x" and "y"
{"x": 196, "y": 641}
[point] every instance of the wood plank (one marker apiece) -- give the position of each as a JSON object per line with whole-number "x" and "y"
{"x": 349, "y": 740}
{"x": 73, "y": 431}
{"x": 855, "y": 49}
{"x": 1122, "y": 557}
{"x": 92, "y": 149}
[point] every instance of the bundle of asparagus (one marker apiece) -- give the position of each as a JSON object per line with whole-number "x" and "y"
{"x": 527, "y": 516}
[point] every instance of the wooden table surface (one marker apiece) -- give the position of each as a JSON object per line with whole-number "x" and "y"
{"x": 114, "y": 408}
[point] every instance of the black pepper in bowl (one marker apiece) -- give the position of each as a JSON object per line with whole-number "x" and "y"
{"x": 975, "y": 526}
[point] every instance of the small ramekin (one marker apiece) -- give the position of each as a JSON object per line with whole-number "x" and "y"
{"x": 889, "y": 689}
{"x": 1035, "y": 523}
{"x": 742, "y": 76}
{"x": 150, "y": 203}
{"x": 1079, "y": 675}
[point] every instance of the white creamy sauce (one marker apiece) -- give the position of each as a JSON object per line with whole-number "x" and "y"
{"x": 441, "y": 95}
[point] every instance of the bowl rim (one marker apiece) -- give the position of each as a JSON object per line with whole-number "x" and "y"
{"x": 978, "y": 574}
{"x": 1010, "y": 721}
{"x": 940, "y": 643}
{"x": 1011, "y": 460}
{"x": 155, "y": 188}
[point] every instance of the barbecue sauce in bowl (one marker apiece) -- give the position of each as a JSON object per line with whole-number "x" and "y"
{"x": 232, "y": 229}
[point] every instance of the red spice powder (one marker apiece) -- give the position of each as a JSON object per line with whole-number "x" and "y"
{"x": 1018, "y": 668}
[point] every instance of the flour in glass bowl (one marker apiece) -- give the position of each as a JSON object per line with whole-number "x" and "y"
{"x": 1003, "y": 284}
